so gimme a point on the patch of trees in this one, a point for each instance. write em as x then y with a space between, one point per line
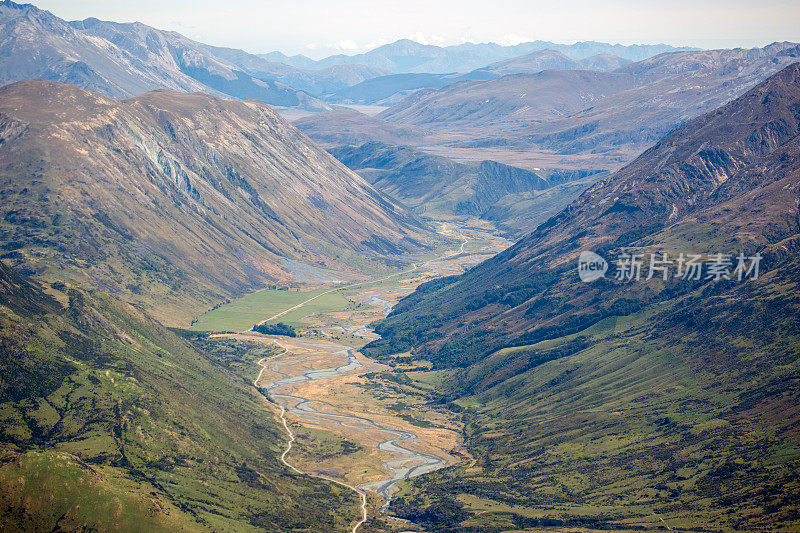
275 329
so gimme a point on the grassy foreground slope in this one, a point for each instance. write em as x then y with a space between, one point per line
108 421
648 403
636 420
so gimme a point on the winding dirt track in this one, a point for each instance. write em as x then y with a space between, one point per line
407 462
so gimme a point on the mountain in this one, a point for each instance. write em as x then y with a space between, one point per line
315 82
604 119
604 62
634 402
550 60
387 90
297 61
438 186
347 126
177 200
516 99
532 63
112 422
122 60
407 56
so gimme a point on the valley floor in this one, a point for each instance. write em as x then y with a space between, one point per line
351 419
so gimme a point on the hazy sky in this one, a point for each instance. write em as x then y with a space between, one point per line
319 28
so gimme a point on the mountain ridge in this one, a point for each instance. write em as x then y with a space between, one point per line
123 59
233 178
586 402
636 197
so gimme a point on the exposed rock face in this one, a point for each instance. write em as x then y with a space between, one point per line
182 193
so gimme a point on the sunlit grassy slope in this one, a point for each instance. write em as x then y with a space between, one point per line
108 421
634 420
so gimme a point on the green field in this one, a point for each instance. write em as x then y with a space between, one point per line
242 313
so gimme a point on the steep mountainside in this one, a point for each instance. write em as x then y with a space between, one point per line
121 60
179 199
607 118
111 422
435 185
729 159
631 400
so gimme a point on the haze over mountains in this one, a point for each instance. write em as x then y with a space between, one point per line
406 56
127 59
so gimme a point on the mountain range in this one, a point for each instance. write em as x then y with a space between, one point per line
632 400
391 89
607 118
88 183
405 55
123 60
127 59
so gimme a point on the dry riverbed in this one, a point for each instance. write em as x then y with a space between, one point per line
353 419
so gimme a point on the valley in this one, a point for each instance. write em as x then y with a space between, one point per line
351 419
405 283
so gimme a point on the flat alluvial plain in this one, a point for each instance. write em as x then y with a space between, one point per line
243 313
354 420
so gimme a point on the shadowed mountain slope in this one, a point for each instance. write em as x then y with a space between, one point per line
632 403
